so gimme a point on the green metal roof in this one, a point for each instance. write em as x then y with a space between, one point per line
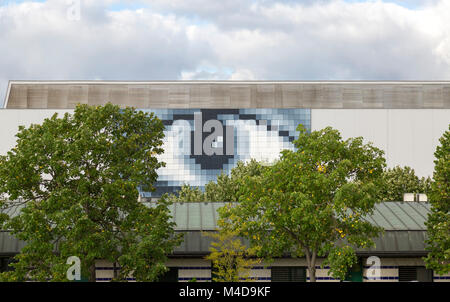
403 222
400 216
391 216
196 216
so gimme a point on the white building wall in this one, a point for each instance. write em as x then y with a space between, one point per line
200 269
188 269
409 137
441 278
389 269
104 270
11 119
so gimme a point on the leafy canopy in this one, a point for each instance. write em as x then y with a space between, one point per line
74 182
438 224
226 188
312 201
231 259
400 180
187 194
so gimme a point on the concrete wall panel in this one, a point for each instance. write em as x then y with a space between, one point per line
10 120
228 94
409 137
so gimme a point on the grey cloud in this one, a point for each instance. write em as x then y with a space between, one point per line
342 42
271 40
249 14
43 45
230 14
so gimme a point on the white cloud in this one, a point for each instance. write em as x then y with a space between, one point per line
242 74
203 39
39 42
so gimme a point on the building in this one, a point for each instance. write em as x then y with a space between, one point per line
211 125
397 255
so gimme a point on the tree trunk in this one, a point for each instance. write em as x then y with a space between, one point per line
311 262
92 273
115 270
312 273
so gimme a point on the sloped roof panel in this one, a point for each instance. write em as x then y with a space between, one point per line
403 223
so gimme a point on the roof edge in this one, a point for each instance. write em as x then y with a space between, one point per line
8 91
120 82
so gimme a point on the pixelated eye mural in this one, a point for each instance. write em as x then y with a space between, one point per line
201 143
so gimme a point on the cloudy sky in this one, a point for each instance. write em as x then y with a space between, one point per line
224 40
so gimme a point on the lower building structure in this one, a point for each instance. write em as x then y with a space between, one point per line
396 257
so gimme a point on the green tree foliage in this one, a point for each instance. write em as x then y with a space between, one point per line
400 180
225 189
76 181
227 186
231 260
438 224
187 194
312 201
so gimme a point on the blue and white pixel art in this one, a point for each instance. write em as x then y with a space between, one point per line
201 143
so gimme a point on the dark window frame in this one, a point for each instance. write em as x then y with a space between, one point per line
413 273
5 261
291 274
172 275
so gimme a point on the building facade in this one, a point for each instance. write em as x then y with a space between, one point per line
211 125
241 120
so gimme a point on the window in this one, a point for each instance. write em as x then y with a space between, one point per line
414 273
170 276
288 274
4 264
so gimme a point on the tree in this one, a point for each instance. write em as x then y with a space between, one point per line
400 180
438 223
76 181
226 188
312 201
187 194
231 260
